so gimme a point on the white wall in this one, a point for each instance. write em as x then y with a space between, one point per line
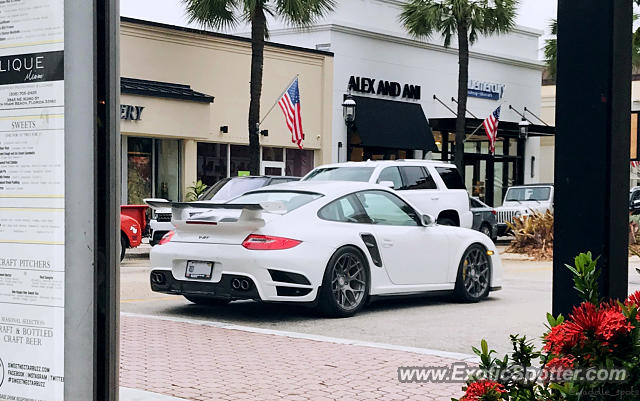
368 40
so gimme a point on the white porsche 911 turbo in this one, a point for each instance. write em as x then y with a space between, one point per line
334 244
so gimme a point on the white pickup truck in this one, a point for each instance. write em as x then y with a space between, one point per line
522 200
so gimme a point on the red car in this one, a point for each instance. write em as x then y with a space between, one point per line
133 221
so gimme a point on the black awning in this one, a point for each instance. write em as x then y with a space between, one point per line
169 90
390 124
506 129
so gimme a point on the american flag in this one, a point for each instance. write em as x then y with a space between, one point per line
635 163
290 105
490 125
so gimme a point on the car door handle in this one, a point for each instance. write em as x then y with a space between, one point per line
436 198
387 243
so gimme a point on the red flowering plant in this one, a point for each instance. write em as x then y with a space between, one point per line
593 354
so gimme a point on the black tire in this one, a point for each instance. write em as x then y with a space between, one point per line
337 297
474 275
206 301
486 230
124 243
445 221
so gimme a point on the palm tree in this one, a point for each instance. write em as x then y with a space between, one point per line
222 14
467 19
551 49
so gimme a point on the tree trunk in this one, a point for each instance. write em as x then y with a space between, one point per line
258 30
463 82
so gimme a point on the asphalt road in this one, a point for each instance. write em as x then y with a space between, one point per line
429 322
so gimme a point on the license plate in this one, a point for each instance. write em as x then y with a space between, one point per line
199 270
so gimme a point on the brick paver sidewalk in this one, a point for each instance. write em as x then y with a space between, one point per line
201 362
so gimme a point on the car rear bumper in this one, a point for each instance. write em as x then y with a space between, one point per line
163 281
291 275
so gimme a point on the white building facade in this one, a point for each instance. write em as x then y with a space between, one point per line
373 52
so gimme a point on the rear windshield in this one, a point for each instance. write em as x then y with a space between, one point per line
451 177
340 174
229 188
290 199
528 194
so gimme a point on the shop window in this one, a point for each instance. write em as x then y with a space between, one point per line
239 160
417 178
167 169
212 162
272 154
299 162
139 170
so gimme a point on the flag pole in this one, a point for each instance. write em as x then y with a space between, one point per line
278 99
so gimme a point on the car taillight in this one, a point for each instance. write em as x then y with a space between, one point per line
166 238
493 212
268 242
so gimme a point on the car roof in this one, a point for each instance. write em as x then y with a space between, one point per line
532 185
327 188
266 176
399 162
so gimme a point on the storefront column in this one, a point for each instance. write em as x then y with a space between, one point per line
505 167
521 161
489 181
189 164
445 146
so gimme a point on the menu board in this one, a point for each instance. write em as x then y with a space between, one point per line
32 205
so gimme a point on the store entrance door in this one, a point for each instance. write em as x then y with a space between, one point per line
488 177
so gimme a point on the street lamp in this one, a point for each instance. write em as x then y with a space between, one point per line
349 110
524 128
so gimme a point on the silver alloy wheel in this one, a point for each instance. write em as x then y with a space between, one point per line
475 272
348 281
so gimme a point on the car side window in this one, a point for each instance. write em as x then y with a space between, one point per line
417 177
385 208
346 209
451 177
391 174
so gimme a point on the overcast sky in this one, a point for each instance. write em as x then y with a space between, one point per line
533 13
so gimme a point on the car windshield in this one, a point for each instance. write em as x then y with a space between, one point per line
340 174
290 199
229 188
528 194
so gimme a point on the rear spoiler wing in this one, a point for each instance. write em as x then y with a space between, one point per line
250 211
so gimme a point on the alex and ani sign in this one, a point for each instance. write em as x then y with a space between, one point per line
485 90
385 88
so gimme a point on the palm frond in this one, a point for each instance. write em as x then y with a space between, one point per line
303 12
423 18
213 14
551 50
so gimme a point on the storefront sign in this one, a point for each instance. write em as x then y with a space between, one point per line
383 88
32 205
128 112
485 90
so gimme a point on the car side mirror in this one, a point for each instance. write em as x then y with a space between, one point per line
388 184
428 220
